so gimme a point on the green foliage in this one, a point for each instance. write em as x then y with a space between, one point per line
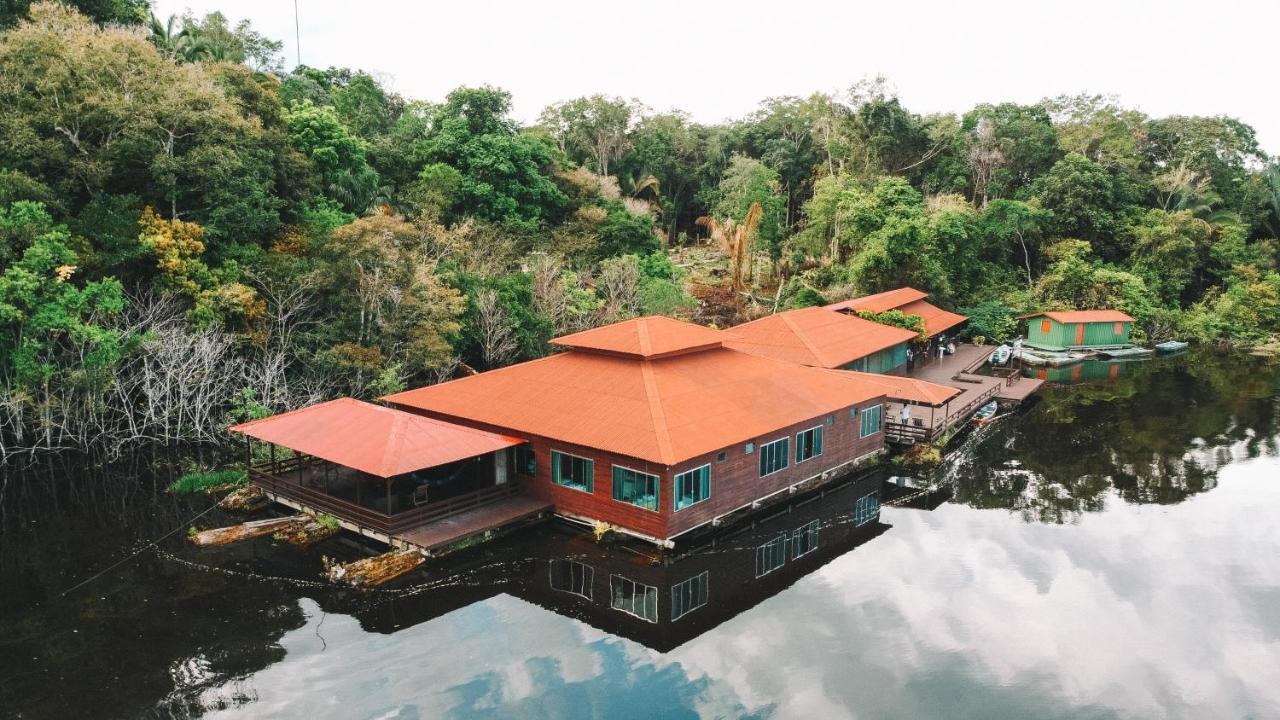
992 320
209 480
338 156
624 232
748 181
896 318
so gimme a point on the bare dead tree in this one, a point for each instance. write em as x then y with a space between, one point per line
498 343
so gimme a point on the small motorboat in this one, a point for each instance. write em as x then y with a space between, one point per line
1001 355
1170 346
986 413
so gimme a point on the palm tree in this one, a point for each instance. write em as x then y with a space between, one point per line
167 36
735 240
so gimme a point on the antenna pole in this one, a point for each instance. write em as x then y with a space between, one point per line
297 33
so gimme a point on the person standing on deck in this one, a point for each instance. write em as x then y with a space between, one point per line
906 414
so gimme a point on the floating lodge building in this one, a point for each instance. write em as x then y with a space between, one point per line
1078 330
653 427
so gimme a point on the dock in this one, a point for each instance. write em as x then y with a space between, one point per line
959 371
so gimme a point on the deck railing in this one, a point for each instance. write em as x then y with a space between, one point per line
293 489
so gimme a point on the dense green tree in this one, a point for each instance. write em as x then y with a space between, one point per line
746 182
1009 145
1089 202
337 155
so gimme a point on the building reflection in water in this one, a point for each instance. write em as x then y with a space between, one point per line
663 602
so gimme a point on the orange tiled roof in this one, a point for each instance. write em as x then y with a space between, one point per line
816 337
936 320
1082 316
910 389
880 302
653 336
374 439
660 409
909 301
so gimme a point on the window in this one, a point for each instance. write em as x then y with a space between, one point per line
689 595
572 576
871 420
692 487
804 539
633 598
866 509
773 456
526 461
1046 325
635 487
1119 328
808 444
572 471
771 555
720 457
750 448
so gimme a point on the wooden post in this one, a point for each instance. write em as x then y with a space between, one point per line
359 481
388 482
275 469
248 452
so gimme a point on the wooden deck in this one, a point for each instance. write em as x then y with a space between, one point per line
428 527
492 516
957 371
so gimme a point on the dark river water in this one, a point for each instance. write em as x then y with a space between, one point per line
1111 551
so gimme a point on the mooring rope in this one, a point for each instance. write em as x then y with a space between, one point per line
137 552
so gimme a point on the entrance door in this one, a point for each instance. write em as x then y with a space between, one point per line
1079 333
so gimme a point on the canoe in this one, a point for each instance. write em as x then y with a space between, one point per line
1169 346
1125 353
985 413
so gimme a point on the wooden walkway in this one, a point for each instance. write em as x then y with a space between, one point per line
458 527
958 371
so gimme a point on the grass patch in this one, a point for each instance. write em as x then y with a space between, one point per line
209 480
328 522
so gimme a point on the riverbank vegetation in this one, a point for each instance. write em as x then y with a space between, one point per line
191 234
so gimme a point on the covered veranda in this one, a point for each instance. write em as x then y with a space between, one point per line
377 468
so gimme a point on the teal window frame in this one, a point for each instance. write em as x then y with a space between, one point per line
571 576
691 487
876 412
633 598
690 595
804 539
866 509
775 456
771 555
526 460
575 461
626 482
808 444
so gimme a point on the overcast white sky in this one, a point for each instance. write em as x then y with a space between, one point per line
717 60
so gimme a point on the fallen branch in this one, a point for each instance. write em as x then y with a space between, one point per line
244 531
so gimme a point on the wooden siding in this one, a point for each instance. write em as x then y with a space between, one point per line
736 481
1063 335
884 361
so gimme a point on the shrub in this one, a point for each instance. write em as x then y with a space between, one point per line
209 480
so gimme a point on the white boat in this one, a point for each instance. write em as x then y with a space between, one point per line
1000 355
986 413
1169 346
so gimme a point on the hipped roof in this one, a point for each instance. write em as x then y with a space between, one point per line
373 439
653 336
659 409
1082 316
880 302
921 392
815 337
908 301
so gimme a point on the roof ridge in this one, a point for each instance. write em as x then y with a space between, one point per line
395 440
660 430
804 340
642 336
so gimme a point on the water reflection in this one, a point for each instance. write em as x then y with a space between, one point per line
1145 585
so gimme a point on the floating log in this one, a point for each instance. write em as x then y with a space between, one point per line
244 531
307 533
245 499
374 571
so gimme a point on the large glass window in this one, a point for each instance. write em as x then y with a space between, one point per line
866 509
871 420
771 555
804 539
773 456
633 598
572 576
808 444
572 471
635 487
689 595
526 461
692 487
